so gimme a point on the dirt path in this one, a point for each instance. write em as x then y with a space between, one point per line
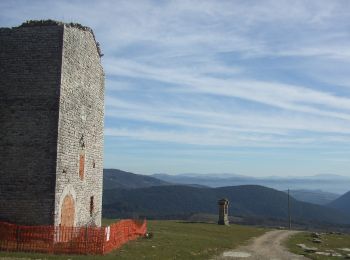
268 246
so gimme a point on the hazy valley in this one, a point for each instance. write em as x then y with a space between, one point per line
153 198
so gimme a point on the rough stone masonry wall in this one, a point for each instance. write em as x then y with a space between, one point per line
81 114
30 66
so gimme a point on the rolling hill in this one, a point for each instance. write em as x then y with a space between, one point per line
329 183
318 197
117 179
342 203
178 201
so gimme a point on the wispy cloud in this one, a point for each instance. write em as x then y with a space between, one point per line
281 95
219 74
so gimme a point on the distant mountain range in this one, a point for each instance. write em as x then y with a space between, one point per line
325 182
182 201
318 197
114 179
128 195
342 203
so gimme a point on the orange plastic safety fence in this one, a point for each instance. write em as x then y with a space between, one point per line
121 232
69 240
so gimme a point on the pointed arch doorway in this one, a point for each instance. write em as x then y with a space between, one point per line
67 211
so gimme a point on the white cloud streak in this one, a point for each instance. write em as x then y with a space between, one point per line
190 49
280 95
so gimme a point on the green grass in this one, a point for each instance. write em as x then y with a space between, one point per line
172 240
330 242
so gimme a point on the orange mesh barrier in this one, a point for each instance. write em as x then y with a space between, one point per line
121 232
69 240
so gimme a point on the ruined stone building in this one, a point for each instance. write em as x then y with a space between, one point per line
51 125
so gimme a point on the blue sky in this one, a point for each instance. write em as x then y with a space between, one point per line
249 87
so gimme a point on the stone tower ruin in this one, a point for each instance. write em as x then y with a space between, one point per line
51 125
223 212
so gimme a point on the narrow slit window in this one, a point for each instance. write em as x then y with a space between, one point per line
92 206
82 158
81 166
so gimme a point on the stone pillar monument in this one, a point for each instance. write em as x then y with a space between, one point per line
223 212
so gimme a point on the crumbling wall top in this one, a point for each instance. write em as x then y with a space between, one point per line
49 22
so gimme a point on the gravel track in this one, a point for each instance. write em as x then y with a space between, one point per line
266 247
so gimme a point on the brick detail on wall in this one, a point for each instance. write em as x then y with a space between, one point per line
81 166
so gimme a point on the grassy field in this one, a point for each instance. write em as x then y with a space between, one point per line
330 243
172 240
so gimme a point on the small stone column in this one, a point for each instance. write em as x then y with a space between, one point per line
223 212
